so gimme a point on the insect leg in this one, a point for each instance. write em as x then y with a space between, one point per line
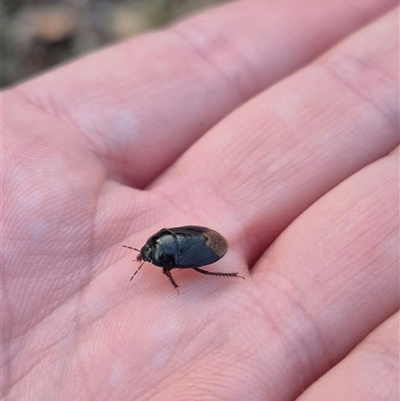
217 274
167 272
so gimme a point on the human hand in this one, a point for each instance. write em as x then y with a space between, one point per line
160 131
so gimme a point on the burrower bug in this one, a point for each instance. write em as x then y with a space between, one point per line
187 247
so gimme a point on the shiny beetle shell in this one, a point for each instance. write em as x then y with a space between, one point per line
187 247
184 247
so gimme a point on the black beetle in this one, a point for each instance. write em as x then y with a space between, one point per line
187 247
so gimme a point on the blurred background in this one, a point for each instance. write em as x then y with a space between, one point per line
38 34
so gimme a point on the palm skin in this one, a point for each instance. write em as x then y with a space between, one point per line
207 124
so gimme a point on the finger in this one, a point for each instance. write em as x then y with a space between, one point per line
143 102
368 373
332 276
275 156
325 283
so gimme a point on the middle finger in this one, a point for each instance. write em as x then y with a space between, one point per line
283 150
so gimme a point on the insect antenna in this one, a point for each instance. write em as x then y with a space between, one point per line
129 247
138 259
134 274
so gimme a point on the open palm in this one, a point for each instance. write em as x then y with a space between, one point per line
232 120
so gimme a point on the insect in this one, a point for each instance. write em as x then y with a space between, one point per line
187 247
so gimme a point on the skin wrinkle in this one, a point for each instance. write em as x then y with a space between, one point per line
214 191
381 351
359 366
37 363
100 317
190 376
290 298
65 118
84 373
207 379
245 235
332 67
36 102
48 105
184 367
81 339
94 214
134 221
178 206
202 51
216 184
35 324
6 390
365 232
221 196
